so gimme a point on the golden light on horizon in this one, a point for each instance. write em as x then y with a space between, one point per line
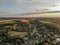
54 15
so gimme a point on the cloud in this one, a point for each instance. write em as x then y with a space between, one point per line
40 1
35 0
6 13
2 0
18 1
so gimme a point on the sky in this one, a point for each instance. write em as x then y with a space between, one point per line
16 7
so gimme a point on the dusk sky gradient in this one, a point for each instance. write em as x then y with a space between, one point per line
14 7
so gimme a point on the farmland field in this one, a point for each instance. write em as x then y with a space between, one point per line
29 31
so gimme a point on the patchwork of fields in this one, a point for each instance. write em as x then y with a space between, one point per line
29 31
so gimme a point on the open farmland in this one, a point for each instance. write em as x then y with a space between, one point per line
26 31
